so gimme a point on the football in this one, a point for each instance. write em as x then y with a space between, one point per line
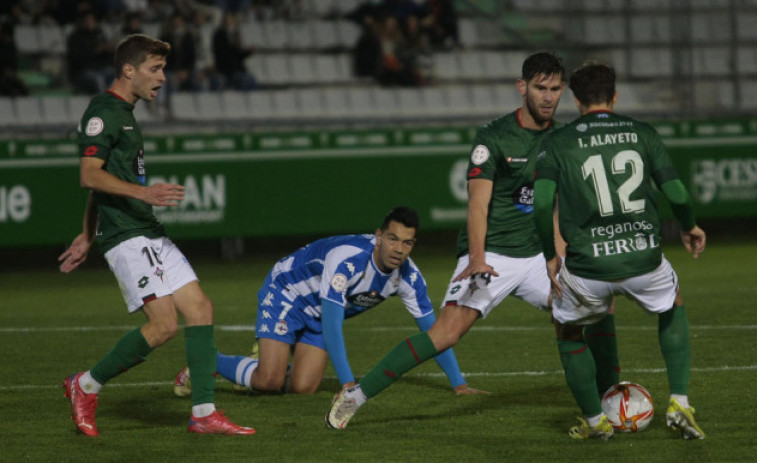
628 406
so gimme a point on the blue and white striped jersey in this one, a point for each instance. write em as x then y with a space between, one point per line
341 269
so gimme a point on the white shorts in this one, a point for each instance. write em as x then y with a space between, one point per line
147 269
525 278
585 301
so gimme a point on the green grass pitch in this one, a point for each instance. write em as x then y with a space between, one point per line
52 325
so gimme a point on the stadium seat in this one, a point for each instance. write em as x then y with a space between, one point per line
471 65
335 102
650 29
183 106
604 30
77 104
360 101
276 36
319 8
7 112
300 35
326 69
747 26
309 103
324 35
27 39
467 32
284 104
710 27
251 34
275 70
347 33
28 110
234 105
506 97
260 105
52 40
385 104
145 113
651 62
712 61
434 103
446 66
747 60
410 103
55 111
458 100
748 95
482 98
209 105
301 66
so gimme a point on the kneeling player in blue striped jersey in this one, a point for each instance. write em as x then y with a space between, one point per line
308 294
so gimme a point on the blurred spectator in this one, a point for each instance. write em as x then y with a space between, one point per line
181 70
367 54
441 24
89 57
132 24
230 55
399 58
10 83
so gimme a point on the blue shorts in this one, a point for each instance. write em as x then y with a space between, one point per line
280 318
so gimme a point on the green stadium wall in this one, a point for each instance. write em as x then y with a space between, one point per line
332 181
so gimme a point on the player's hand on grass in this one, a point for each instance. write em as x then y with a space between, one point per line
76 254
694 241
163 194
464 389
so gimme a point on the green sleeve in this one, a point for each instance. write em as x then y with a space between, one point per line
680 203
544 201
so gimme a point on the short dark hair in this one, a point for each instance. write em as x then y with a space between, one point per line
134 50
593 83
543 63
402 214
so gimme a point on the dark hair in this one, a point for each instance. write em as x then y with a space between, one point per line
593 83
404 215
134 50
543 63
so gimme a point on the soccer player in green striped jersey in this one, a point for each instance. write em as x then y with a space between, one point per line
604 167
154 276
498 250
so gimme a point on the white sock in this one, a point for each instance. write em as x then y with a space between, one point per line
203 410
683 400
594 420
244 371
88 383
356 392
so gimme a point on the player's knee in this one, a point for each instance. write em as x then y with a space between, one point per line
302 387
267 382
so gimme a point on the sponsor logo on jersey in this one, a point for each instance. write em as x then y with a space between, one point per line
413 277
90 150
512 159
339 282
350 267
523 198
637 243
128 127
479 155
475 172
94 127
367 300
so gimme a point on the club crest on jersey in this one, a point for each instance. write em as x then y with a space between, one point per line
281 328
339 282
582 127
368 300
479 155
94 127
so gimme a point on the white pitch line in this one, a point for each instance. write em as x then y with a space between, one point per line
232 328
486 374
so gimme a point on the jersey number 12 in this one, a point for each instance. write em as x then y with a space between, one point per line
594 168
